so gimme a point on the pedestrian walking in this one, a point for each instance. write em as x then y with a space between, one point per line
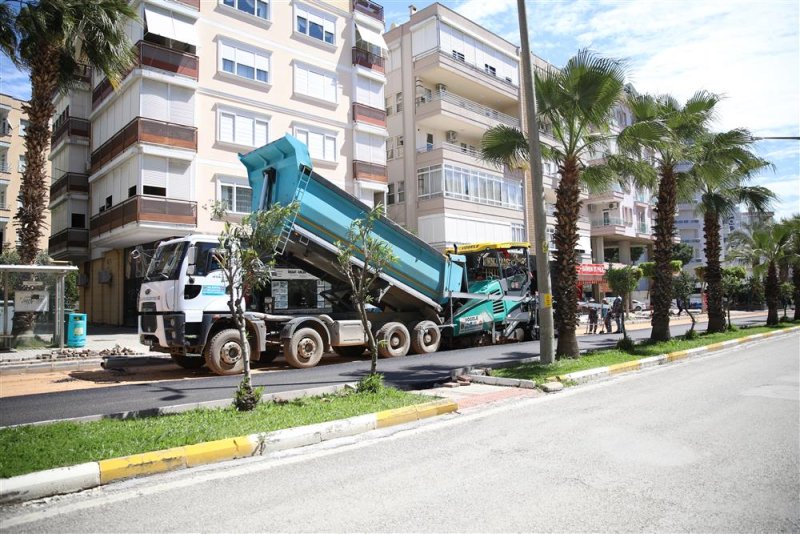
606 319
592 318
617 311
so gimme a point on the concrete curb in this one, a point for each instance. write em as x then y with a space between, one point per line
588 375
93 474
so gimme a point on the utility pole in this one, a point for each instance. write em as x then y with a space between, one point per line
546 349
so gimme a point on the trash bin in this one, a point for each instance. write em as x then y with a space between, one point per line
75 326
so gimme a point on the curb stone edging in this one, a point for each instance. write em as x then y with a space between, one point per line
92 474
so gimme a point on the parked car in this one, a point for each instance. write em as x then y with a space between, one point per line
638 305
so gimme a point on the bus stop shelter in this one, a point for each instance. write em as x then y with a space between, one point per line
60 273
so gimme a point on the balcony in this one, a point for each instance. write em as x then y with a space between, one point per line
157 57
374 172
367 7
642 228
141 130
4 167
435 154
72 126
69 242
369 115
444 105
140 209
368 60
71 182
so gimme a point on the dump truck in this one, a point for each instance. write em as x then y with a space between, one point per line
424 300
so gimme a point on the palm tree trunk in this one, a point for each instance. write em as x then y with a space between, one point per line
713 274
664 231
568 207
772 294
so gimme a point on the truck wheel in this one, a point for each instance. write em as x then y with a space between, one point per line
188 362
351 351
393 340
305 349
425 338
224 355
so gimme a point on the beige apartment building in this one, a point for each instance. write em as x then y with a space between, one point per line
144 162
13 122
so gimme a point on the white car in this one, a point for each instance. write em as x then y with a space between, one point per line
638 305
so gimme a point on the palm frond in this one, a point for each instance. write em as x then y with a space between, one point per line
505 145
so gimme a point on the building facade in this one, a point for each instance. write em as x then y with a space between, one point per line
13 122
144 161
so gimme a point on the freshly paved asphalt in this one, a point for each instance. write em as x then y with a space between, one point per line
412 372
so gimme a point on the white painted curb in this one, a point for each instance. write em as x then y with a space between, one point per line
50 482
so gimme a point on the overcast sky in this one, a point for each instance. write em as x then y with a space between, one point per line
746 50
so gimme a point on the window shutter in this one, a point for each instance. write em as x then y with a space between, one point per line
226 121
179 180
244 130
181 106
330 148
301 79
261 133
243 57
316 145
262 63
330 88
155 99
154 171
227 52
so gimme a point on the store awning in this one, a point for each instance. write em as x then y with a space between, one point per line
371 36
165 24
594 273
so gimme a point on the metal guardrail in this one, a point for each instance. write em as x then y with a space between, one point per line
143 208
469 105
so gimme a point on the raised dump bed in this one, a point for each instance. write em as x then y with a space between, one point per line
281 172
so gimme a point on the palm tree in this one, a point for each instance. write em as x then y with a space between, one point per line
53 40
577 102
719 175
664 130
763 248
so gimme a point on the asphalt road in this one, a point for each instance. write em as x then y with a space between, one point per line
411 372
710 445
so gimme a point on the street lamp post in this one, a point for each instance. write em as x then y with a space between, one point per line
546 349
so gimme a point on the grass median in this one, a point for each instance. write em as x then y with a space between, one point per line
30 448
602 358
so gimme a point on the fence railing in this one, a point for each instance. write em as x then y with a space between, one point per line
369 171
368 8
71 182
469 105
142 208
364 113
71 126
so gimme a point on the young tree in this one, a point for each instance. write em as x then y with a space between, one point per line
732 285
786 289
683 252
246 257
622 282
666 130
577 102
724 164
362 259
683 285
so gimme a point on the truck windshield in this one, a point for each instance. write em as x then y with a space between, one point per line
164 265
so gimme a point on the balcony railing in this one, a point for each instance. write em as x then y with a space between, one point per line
4 167
71 126
368 114
141 208
642 228
469 105
611 221
363 170
68 238
158 57
368 60
474 68
142 130
369 8
468 150
71 182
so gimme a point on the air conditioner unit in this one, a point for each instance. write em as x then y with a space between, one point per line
440 87
613 205
452 136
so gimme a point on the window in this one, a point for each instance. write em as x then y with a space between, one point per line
399 101
488 69
429 181
315 83
321 145
78 220
315 24
236 198
23 164
241 129
132 191
249 64
517 232
472 185
3 199
23 127
458 56
389 106
257 8
154 191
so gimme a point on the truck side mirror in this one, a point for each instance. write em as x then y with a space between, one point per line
192 257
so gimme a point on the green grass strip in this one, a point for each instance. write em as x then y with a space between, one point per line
602 358
26 449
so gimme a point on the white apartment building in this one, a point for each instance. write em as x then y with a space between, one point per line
13 122
141 163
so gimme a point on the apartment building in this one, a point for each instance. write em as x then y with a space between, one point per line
143 162
13 122
448 81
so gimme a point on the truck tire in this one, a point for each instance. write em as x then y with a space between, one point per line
305 349
351 351
393 340
425 338
188 362
224 355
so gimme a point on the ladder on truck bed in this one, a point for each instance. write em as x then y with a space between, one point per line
286 231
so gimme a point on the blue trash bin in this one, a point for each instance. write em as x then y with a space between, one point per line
75 326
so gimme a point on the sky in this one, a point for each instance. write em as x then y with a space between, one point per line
748 51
